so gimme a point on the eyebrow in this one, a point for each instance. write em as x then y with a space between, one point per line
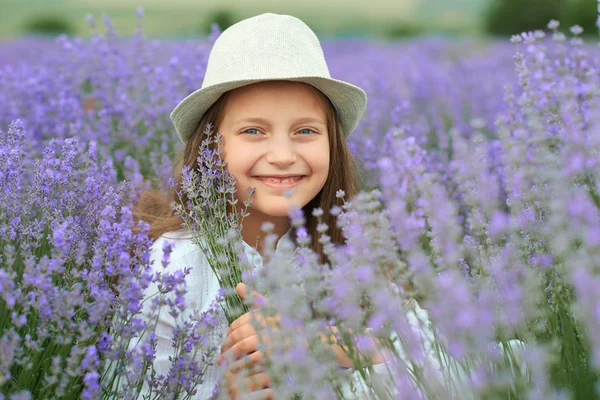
263 121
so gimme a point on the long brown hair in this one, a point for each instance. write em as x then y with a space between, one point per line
154 207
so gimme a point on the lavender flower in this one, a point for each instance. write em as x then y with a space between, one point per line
213 217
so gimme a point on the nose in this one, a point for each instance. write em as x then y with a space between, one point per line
282 151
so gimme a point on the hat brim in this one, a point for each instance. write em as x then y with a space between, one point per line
349 101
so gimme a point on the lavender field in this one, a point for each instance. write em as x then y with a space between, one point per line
474 243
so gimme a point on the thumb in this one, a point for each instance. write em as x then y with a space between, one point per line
258 299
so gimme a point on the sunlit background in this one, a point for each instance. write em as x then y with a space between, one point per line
176 19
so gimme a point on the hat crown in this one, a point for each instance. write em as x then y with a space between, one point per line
268 46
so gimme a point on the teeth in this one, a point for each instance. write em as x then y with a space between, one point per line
285 180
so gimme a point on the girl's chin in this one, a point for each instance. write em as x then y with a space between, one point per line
273 212
281 209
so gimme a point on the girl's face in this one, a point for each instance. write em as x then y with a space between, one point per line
276 140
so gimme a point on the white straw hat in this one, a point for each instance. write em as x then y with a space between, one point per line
267 47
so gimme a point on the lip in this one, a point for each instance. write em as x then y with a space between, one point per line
264 179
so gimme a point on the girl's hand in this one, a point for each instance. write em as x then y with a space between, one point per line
340 354
371 351
242 344
241 336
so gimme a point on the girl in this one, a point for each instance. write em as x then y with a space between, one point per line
284 122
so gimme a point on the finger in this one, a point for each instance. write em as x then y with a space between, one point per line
243 384
237 335
242 326
231 385
257 381
248 361
242 320
242 290
246 346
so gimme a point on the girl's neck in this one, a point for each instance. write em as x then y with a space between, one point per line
253 234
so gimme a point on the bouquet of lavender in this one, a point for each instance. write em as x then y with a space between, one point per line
213 217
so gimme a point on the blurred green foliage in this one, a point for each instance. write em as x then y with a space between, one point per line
402 30
508 17
222 17
583 13
48 24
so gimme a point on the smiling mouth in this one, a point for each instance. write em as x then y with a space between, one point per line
280 182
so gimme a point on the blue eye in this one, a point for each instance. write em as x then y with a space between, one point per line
307 131
251 129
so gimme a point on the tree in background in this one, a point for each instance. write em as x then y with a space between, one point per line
222 17
583 13
508 17
48 24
